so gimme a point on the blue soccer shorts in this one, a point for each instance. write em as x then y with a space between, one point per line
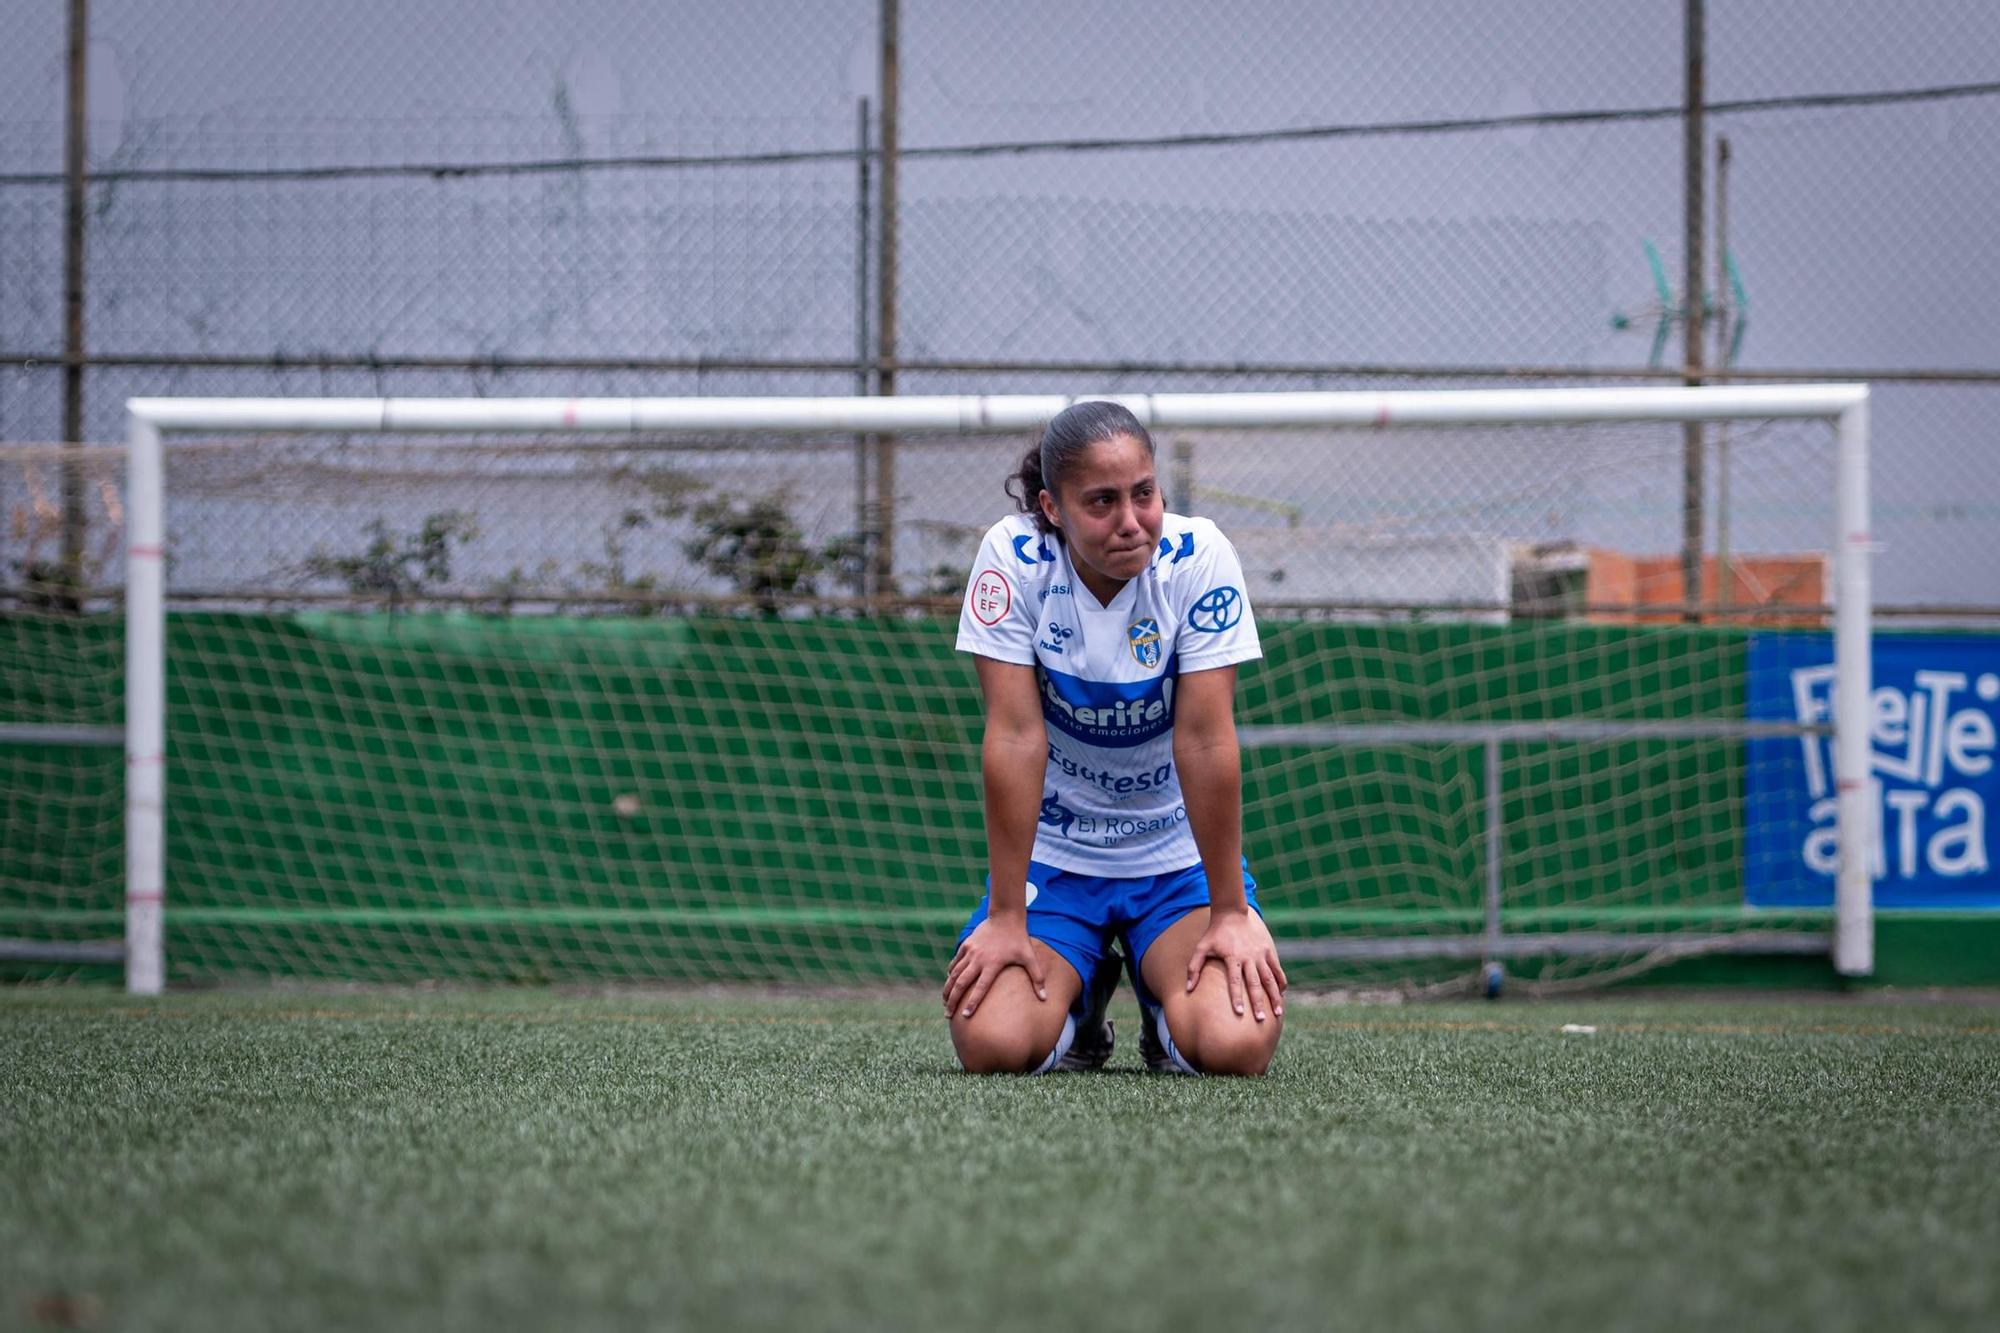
1079 915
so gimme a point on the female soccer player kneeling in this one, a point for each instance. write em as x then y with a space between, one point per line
1106 633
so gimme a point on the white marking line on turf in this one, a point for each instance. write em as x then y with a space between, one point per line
827 1020
1643 1027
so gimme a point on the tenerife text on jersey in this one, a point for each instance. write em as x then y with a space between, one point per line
1114 715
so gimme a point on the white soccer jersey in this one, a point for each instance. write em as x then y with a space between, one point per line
1111 804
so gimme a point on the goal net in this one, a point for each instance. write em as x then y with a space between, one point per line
665 689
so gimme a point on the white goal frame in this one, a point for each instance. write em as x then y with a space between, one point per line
149 420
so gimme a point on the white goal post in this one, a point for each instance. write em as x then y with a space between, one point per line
1843 406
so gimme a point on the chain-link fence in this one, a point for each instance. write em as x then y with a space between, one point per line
605 199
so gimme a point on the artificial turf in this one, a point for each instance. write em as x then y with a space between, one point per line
516 1159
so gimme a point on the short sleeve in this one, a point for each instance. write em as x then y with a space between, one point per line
1217 628
996 619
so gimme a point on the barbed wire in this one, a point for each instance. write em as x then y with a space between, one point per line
1217 139
369 361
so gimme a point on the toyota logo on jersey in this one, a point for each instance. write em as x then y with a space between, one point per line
1216 610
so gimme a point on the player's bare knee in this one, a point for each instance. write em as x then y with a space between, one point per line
994 1050
999 1047
1224 1043
1001 1039
1235 1050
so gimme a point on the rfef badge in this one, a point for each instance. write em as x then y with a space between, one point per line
992 597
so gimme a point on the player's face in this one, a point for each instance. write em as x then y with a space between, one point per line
1109 510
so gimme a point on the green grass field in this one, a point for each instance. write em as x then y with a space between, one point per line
517 1159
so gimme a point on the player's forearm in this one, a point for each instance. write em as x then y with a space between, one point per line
1211 770
1014 767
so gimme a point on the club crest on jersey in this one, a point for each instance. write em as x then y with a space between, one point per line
1145 639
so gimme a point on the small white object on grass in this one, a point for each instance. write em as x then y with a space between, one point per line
1584 1029
626 804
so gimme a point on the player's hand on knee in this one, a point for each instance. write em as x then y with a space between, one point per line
1242 944
991 948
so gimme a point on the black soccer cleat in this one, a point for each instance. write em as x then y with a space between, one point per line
1089 1049
1094 1039
1151 1049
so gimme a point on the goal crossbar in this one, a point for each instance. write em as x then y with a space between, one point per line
986 413
1844 406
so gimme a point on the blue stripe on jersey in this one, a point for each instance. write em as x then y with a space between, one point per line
1118 715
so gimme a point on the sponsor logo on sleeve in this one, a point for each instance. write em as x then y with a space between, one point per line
992 597
1144 636
1216 610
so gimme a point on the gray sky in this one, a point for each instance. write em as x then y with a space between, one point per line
1864 233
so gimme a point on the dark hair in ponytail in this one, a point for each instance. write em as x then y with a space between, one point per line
1070 432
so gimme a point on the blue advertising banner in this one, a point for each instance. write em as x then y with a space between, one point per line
1933 719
